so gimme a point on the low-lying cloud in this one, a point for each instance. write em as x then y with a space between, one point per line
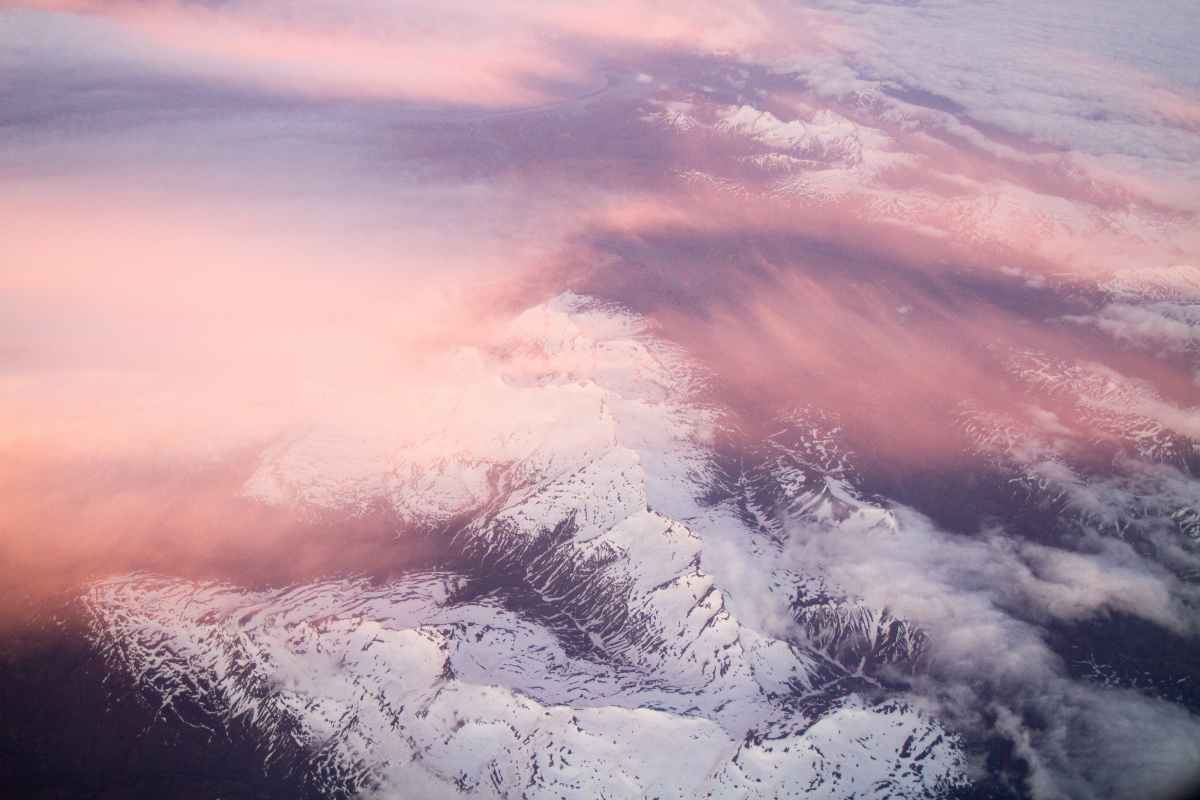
985 601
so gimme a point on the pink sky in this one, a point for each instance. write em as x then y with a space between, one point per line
255 219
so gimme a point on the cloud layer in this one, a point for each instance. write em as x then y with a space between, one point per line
967 232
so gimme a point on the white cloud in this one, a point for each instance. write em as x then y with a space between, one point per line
1170 326
983 600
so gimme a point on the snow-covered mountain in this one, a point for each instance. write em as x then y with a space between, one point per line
1117 457
645 599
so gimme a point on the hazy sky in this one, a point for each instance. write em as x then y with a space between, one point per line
225 222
